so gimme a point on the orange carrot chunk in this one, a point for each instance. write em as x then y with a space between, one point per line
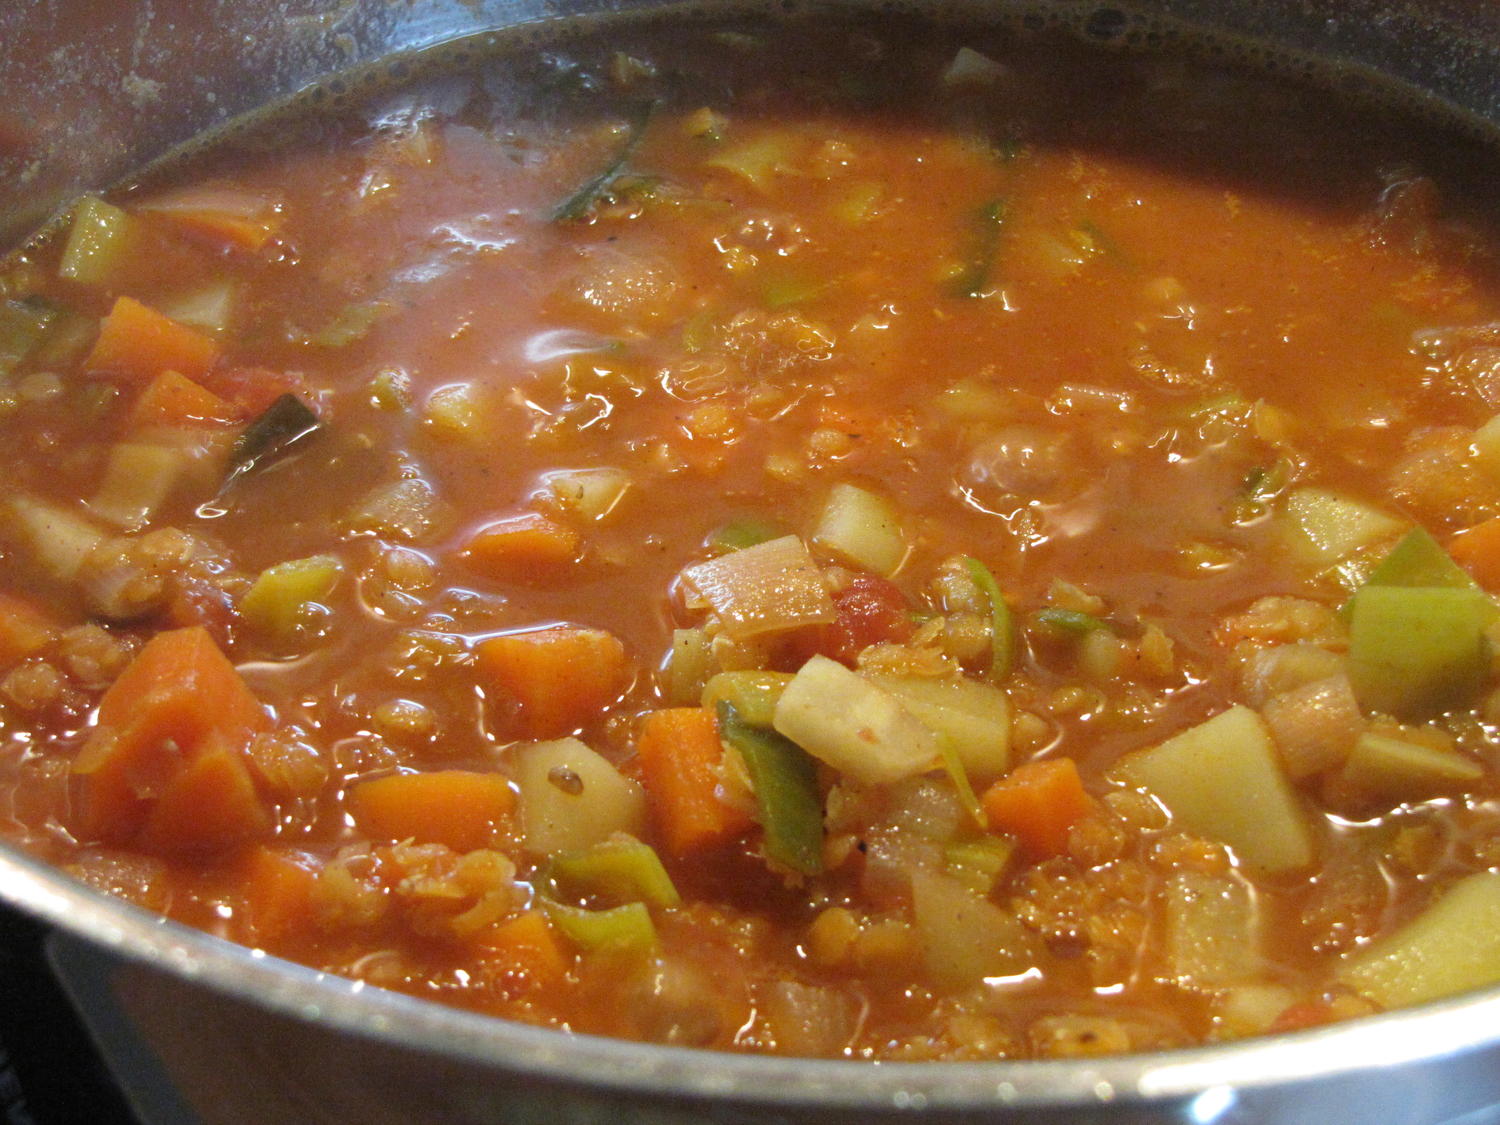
140 343
1038 803
223 217
1477 550
179 696
459 808
24 629
559 678
525 548
679 753
205 806
278 894
172 399
525 953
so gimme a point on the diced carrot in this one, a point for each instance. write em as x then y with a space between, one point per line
525 950
1477 550
526 548
560 677
223 217
179 696
459 808
140 343
23 629
172 399
679 753
278 893
206 805
1038 803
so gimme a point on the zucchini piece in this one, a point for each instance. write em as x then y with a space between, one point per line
1416 651
855 726
1419 560
621 869
862 528
785 781
625 929
1452 946
1222 780
753 694
282 596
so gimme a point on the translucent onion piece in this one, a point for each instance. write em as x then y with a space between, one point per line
767 588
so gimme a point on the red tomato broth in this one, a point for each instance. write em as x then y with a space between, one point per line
1176 289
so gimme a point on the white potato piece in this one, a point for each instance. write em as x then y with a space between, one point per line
572 798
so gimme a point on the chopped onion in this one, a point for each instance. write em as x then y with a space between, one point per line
767 588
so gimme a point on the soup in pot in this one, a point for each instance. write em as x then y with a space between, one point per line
848 539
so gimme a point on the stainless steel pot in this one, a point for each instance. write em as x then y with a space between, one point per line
204 1030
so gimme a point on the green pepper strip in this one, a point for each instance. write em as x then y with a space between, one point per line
739 534
785 778
1002 629
621 869
625 929
989 222
577 205
1069 621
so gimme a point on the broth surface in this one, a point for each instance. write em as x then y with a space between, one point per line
454 420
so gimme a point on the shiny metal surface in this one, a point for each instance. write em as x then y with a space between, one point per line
92 90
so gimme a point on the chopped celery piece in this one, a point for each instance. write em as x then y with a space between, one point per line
687 666
1416 651
572 798
1068 622
625 929
855 726
138 478
785 780
1452 946
23 326
591 493
1222 780
752 694
966 938
861 528
768 588
582 201
978 864
1213 933
973 277
1419 560
974 717
98 242
1328 527
1406 771
283 596
739 534
1002 626
620 869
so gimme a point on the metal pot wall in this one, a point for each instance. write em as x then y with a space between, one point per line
204 1030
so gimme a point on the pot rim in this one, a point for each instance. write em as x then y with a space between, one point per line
1447 1027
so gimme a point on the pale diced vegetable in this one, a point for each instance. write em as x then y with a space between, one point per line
767 588
858 728
620 869
1252 1009
591 493
1415 651
624 929
1487 447
405 510
208 307
1400 770
974 716
283 596
759 158
1451 947
99 240
56 539
572 798
687 667
1213 938
138 479
1222 780
978 864
970 68
1314 725
753 694
1327 527
862 528
1419 560
459 412
966 938
23 326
